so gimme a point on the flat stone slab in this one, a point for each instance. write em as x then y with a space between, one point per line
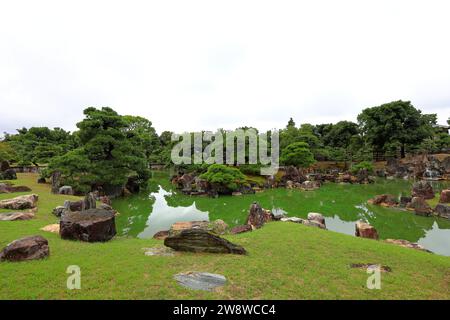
200 280
54 228
371 266
15 216
159 251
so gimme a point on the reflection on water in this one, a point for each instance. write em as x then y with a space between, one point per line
163 216
342 205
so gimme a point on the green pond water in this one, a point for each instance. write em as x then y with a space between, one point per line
158 207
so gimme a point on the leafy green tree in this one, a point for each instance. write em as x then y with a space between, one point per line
141 133
297 154
224 179
395 125
7 153
40 144
106 157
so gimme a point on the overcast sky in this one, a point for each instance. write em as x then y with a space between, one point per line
190 65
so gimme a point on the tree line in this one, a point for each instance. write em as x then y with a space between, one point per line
107 147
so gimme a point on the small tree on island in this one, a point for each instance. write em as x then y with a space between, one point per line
297 154
224 179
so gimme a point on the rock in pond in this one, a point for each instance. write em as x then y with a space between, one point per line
384 200
20 203
420 206
93 225
445 196
442 210
423 189
365 230
198 240
29 248
200 280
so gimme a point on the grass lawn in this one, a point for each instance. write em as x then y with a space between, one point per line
284 261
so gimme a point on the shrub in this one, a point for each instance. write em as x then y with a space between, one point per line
224 179
362 165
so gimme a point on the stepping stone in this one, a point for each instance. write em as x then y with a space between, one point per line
159 251
200 280
54 228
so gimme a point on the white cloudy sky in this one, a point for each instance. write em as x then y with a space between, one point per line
190 65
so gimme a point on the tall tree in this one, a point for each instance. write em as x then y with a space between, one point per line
106 156
396 124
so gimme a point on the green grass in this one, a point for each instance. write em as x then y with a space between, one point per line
285 261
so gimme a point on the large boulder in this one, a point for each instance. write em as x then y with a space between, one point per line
420 206
445 196
20 203
442 210
422 189
93 225
29 248
198 240
365 230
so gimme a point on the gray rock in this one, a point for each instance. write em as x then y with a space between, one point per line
442 210
200 280
59 211
67 190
